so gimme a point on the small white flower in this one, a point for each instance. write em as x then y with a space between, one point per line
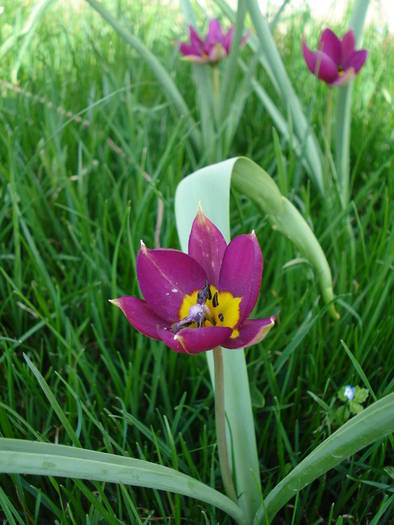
349 392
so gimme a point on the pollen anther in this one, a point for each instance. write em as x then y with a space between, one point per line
215 300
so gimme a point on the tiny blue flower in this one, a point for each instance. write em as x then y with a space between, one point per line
349 392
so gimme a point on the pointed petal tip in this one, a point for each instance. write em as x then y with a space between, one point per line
116 302
200 215
179 339
143 246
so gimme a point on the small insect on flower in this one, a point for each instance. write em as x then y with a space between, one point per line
336 61
197 301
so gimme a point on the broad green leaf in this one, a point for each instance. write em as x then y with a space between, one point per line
19 456
170 90
210 186
373 423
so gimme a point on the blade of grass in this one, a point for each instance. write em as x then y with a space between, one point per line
302 127
162 76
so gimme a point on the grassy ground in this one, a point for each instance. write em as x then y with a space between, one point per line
75 200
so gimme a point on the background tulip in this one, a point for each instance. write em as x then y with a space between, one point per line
336 61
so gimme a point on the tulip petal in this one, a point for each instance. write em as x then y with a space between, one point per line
194 340
195 40
251 332
356 60
215 33
328 70
330 45
207 246
139 315
241 272
348 44
228 39
188 50
165 277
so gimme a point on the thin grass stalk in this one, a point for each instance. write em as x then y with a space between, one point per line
231 64
302 127
252 42
171 91
203 84
344 108
23 37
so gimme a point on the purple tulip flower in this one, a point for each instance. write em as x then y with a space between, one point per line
199 301
336 62
214 48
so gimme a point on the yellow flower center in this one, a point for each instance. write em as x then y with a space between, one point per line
223 309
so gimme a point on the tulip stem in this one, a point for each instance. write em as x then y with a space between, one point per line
220 419
216 95
328 139
216 85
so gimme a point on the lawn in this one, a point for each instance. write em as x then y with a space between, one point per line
91 155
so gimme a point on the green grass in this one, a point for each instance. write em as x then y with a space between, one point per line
76 200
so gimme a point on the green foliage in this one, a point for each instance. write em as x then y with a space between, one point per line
352 406
91 155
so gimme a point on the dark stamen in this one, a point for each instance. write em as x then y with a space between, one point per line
209 294
221 317
204 294
215 301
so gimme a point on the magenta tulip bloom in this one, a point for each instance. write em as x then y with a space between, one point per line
214 48
336 62
199 301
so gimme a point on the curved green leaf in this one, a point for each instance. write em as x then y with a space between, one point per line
247 177
255 183
19 456
375 422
